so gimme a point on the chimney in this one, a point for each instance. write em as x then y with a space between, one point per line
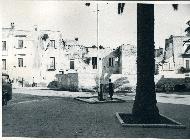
12 25
35 28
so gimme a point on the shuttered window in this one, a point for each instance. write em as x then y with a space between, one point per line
111 62
187 64
52 62
72 64
20 62
4 47
4 64
20 44
94 62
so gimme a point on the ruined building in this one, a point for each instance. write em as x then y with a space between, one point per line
177 53
40 56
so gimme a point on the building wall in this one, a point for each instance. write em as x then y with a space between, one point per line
178 51
129 57
35 58
14 53
174 50
38 55
68 81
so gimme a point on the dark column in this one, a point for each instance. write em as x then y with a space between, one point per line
144 108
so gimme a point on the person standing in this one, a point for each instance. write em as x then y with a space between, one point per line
111 89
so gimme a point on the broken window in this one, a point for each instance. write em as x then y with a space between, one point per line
4 47
52 62
4 64
94 62
20 44
111 62
20 62
72 66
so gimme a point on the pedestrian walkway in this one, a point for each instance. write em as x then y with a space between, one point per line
172 98
55 117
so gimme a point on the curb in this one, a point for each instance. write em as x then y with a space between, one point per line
82 99
177 125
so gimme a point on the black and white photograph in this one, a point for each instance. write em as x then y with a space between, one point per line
95 69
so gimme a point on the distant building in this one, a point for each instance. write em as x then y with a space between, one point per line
129 59
158 59
176 53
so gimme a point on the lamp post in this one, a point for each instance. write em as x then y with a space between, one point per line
100 94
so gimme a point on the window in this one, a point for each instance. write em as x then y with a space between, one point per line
20 44
4 47
52 43
94 62
187 64
20 62
4 64
61 72
52 63
72 64
111 62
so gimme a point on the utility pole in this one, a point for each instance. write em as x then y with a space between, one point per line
100 92
100 95
98 57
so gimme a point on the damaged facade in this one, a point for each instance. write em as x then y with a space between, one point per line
40 56
176 54
158 59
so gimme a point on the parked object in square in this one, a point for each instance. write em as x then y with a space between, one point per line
6 89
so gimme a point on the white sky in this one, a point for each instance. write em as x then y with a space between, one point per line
75 19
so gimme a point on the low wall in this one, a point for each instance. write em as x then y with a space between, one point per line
68 81
87 81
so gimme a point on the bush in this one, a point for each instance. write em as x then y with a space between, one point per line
26 84
182 70
120 85
169 84
125 88
121 81
53 84
87 60
180 87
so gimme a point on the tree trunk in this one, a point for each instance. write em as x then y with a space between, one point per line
144 108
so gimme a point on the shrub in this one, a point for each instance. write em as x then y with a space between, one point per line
53 84
180 87
120 85
121 81
125 88
26 84
45 37
168 84
182 70
87 60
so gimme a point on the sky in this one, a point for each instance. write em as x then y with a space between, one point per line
75 19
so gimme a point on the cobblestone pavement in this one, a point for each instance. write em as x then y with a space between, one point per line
52 116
